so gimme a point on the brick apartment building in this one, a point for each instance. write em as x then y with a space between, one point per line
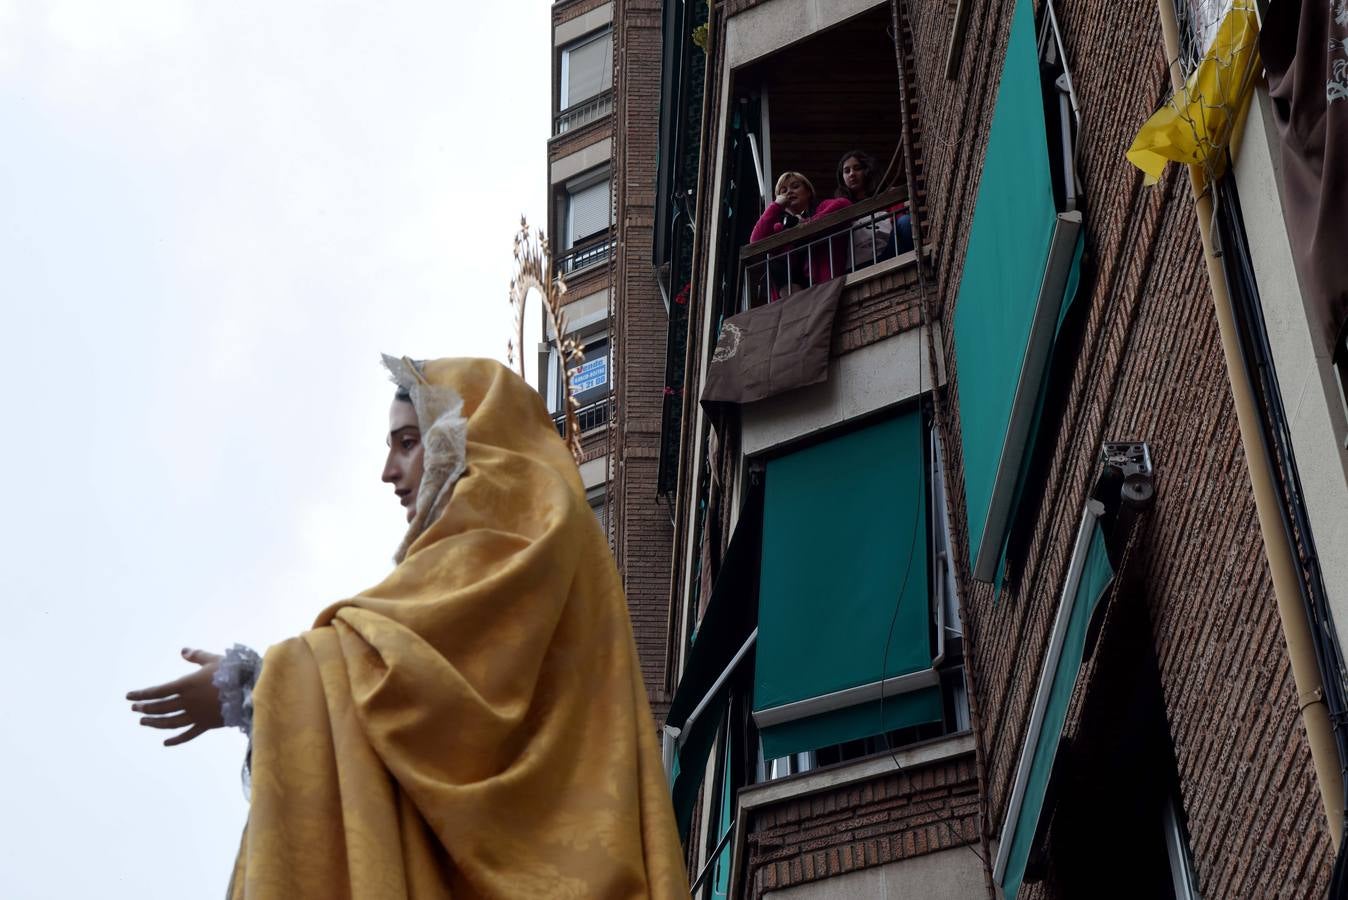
601 197
1023 598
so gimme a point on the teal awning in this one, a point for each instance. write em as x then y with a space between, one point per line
1032 439
726 625
1020 256
1057 684
843 598
726 820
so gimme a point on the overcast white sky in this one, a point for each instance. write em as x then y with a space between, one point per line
213 217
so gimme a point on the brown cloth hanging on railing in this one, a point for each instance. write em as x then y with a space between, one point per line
1305 49
774 348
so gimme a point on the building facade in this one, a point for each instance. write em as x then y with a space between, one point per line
601 176
1008 585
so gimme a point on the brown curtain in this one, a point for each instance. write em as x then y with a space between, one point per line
1305 49
774 348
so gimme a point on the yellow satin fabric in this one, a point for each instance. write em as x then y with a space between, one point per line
476 726
1199 121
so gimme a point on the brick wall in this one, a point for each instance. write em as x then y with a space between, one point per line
877 308
639 526
578 138
567 10
871 823
1149 367
587 281
643 533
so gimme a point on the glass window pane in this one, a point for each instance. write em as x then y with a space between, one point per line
588 212
587 70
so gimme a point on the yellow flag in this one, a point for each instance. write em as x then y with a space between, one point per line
1197 122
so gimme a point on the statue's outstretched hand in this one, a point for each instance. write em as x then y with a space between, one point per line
191 702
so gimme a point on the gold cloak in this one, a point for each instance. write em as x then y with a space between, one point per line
476 726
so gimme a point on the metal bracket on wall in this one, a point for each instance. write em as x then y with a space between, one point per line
1131 462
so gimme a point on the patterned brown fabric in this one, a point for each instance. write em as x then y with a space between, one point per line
774 348
1305 48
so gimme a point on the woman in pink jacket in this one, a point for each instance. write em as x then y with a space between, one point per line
795 205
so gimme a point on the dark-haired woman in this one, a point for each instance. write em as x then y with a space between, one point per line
888 232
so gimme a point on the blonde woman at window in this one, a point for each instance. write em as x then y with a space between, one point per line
474 726
795 205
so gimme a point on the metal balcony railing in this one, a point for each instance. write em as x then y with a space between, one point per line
590 416
583 113
841 242
588 253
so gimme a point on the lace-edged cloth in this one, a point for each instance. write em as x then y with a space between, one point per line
234 680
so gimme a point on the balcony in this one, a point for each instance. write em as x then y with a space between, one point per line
583 113
587 254
848 241
591 416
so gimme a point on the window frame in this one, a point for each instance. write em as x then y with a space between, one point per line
570 189
1184 878
597 336
597 498
584 334
564 100
1062 111
1340 366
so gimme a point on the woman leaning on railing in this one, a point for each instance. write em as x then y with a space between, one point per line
795 205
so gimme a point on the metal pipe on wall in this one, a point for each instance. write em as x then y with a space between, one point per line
1281 556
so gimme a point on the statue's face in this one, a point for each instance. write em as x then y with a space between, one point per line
403 467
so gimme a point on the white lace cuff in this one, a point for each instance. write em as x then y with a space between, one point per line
234 680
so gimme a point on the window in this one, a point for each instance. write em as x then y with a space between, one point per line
1183 878
597 499
587 69
590 380
1089 575
589 209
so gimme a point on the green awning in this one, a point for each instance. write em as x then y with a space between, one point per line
720 885
1011 293
1096 574
843 599
726 625
1032 441
852 722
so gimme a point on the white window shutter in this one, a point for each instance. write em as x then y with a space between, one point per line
589 212
589 70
